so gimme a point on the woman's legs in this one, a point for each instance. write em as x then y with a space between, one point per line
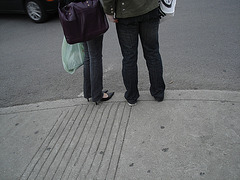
93 70
86 73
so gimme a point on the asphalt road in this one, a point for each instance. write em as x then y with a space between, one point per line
200 48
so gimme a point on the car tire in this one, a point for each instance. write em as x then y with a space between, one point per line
35 11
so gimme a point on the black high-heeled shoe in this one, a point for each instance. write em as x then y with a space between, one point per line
105 91
110 95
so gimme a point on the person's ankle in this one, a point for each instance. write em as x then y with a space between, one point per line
105 95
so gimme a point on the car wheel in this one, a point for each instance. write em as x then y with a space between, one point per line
35 11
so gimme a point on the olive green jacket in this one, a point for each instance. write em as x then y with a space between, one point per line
128 8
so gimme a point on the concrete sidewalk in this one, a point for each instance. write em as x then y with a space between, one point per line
190 135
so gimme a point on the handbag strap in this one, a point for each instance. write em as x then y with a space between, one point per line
63 3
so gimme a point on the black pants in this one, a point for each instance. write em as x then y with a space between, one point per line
146 27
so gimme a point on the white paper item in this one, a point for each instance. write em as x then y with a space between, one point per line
168 7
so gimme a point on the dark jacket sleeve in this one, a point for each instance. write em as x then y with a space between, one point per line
109 6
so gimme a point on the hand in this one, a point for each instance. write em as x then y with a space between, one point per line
111 19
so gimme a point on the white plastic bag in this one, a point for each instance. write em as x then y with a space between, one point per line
72 56
166 9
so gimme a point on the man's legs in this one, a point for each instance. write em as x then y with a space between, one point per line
149 38
128 30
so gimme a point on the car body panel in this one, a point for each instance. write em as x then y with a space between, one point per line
11 6
18 6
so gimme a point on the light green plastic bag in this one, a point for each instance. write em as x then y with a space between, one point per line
72 56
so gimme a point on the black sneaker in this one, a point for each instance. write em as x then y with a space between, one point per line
159 99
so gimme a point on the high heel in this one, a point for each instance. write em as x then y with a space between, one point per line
105 91
110 95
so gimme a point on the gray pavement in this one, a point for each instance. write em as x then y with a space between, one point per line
192 134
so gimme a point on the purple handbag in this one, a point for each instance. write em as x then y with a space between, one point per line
82 21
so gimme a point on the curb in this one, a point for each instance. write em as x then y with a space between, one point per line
187 95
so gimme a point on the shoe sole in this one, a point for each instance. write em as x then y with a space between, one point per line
131 105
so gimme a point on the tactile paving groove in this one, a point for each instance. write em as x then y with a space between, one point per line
85 143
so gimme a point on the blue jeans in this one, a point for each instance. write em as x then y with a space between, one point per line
146 26
93 69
